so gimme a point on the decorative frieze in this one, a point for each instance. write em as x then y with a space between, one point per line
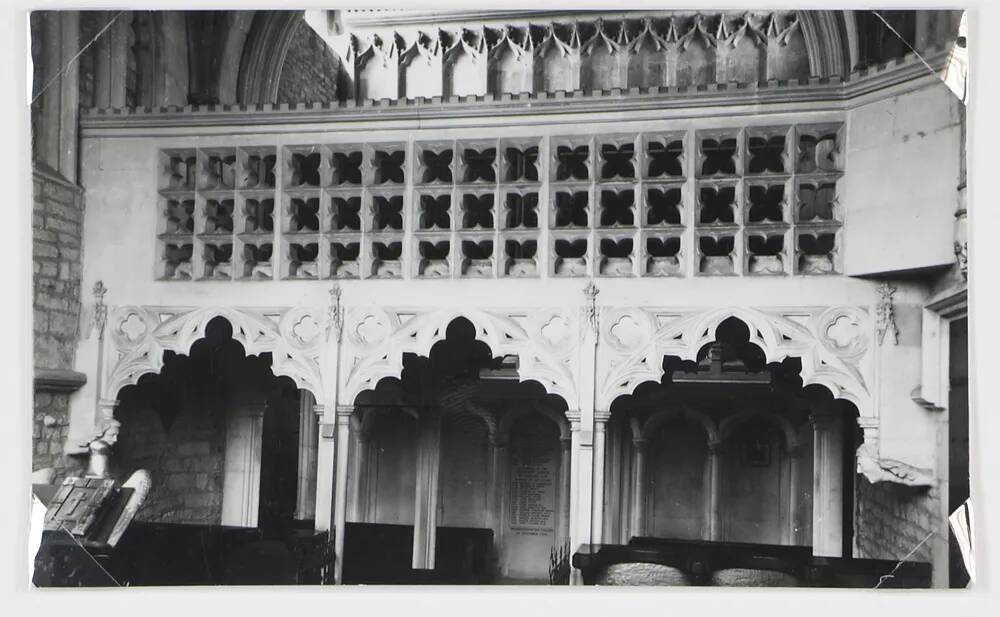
691 50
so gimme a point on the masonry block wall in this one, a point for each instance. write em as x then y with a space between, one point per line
184 454
310 71
891 520
57 220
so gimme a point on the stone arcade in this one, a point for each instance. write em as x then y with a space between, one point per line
473 293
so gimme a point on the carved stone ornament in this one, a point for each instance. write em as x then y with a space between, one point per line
335 314
140 335
590 311
100 309
885 317
632 356
877 469
377 339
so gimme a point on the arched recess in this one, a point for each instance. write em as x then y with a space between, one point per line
834 345
140 335
508 420
657 419
376 339
264 55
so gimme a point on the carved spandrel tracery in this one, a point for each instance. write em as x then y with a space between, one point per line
645 51
140 335
375 340
833 344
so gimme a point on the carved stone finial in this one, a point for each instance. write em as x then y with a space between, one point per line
885 317
335 314
590 308
100 309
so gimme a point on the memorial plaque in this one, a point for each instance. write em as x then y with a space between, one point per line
532 497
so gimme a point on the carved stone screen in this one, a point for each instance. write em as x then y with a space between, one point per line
739 201
532 498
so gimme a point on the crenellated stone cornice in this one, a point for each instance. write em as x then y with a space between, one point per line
890 79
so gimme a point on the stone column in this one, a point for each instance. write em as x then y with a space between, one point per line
56 142
305 504
581 444
241 474
794 479
343 437
637 525
46 141
357 469
597 505
425 507
715 453
828 489
494 513
69 95
325 466
111 61
565 463
612 484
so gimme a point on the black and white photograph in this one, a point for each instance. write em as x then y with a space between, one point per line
499 297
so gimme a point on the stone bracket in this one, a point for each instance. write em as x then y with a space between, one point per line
58 380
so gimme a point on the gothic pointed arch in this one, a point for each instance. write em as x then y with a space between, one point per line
828 36
264 55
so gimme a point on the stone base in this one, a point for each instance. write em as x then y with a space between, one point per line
745 577
643 574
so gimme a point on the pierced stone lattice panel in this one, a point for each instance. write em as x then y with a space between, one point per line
216 213
751 201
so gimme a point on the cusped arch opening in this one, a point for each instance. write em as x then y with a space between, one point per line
184 423
455 366
723 427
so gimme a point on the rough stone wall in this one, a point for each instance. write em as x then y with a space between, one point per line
186 462
57 222
49 429
310 71
891 520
